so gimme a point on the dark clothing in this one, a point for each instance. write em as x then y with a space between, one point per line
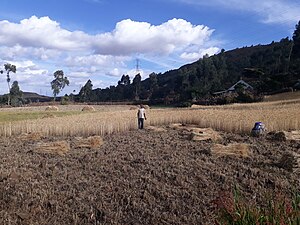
141 123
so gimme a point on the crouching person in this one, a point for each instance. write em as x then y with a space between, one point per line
259 129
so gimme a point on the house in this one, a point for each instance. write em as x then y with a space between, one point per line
240 83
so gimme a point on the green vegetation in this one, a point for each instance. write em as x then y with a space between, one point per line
59 82
232 209
9 68
23 115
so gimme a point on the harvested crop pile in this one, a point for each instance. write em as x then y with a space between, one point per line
204 134
234 149
51 108
88 108
137 177
56 147
89 142
30 136
197 133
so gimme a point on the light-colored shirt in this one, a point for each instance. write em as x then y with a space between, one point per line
141 113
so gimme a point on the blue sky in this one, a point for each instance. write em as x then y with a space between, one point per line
102 39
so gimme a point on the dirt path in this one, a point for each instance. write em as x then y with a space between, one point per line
138 177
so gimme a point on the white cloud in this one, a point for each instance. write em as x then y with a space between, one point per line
193 56
114 72
29 75
95 60
18 51
39 45
127 38
140 37
78 75
41 33
268 11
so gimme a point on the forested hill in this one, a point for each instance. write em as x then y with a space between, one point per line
267 68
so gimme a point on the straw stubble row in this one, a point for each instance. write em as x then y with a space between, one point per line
230 119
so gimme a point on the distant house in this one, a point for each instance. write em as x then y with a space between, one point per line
297 85
240 83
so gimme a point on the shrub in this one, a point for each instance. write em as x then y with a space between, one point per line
64 100
233 209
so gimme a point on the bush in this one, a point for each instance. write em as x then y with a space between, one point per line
64 100
184 104
232 209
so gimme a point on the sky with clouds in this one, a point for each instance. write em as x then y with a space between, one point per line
103 39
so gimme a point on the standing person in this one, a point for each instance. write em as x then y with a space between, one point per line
141 114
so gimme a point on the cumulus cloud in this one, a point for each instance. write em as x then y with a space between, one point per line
38 45
127 38
140 37
18 51
41 33
192 56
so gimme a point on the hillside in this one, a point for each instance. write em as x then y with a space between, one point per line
268 69
34 97
283 96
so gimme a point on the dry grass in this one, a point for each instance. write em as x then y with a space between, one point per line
156 129
293 135
205 134
92 142
31 137
237 118
283 96
198 134
48 115
57 147
52 108
88 108
133 108
234 149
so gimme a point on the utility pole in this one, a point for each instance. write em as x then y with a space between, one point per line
137 66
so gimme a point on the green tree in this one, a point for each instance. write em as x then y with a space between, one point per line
85 93
295 51
123 90
136 82
125 80
153 84
296 39
59 82
9 68
16 94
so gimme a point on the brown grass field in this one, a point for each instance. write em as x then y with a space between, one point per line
237 118
95 167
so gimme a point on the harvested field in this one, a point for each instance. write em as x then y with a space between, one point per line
71 121
79 107
138 177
